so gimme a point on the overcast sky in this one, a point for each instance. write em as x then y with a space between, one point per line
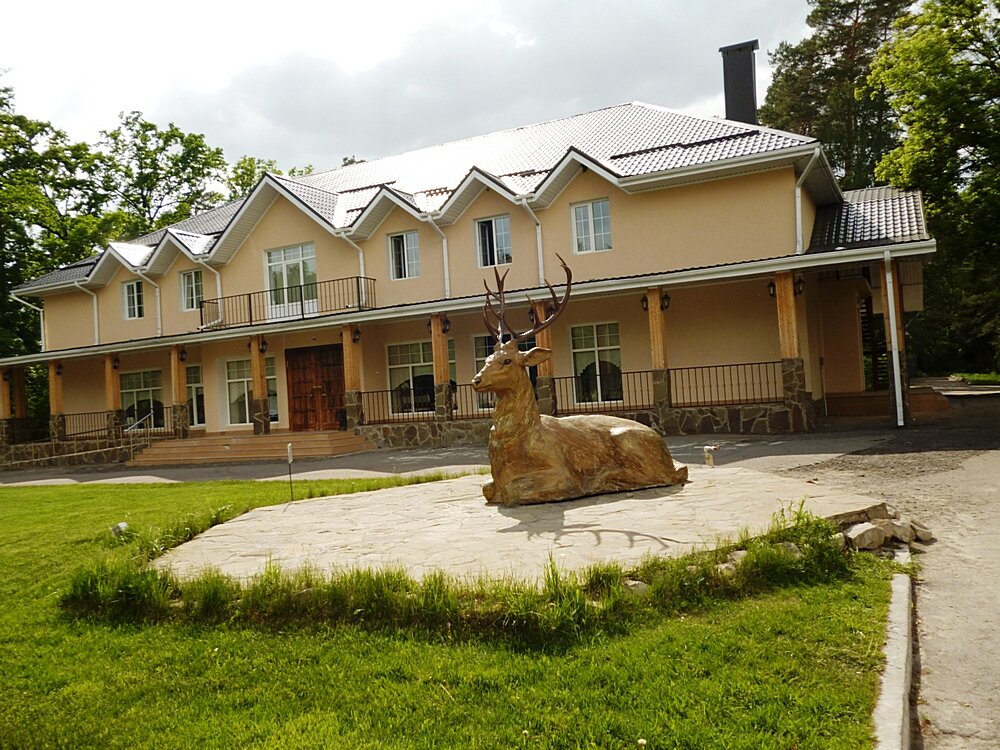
308 83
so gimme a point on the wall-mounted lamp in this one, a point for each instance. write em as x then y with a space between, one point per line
182 355
445 325
356 335
59 368
116 363
7 376
262 347
772 290
800 285
664 302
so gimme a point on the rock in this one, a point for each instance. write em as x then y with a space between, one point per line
865 536
736 556
903 531
839 540
119 528
922 533
726 569
791 548
636 588
893 513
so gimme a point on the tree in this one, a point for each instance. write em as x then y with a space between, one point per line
249 170
821 86
942 75
158 177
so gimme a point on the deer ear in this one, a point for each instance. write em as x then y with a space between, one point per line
536 356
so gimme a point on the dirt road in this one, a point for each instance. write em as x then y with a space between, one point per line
946 474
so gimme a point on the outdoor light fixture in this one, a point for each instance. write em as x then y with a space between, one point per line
771 289
59 368
116 363
262 348
645 303
800 285
445 325
6 376
664 302
182 355
356 335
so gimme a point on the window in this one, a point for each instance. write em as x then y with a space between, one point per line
411 376
597 362
494 241
196 396
404 255
291 281
142 396
239 385
191 290
482 347
132 299
592 226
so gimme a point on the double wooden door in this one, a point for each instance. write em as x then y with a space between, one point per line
315 387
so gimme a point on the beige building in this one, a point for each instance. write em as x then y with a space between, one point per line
722 281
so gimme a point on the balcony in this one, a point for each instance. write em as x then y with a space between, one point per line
289 303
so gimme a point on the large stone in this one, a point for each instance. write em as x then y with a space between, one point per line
922 533
865 536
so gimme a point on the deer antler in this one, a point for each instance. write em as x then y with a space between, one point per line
497 330
557 305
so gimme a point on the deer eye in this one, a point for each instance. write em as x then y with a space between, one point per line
506 361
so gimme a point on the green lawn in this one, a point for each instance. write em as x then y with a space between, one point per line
793 668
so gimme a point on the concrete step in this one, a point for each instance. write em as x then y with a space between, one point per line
243 447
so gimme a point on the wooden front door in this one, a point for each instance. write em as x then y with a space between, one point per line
315 387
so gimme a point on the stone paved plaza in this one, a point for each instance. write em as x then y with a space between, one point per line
447 526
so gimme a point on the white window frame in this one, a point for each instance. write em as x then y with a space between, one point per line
133 307
426 361
280 302
482 256
409 244
594 241
246 385
150 389
195 388
192 291
597 349
483 345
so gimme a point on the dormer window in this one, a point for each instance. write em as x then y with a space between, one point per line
132 306
494 241
404 255
592 226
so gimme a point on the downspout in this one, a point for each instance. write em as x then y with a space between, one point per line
97 325
444 254
799 249
41 315
538 241
218 293
159 320
897 378
361 264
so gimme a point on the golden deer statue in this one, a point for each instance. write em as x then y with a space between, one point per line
536 458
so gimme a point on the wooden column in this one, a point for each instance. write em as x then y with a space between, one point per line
55 389
112 385
259 409
657 329
543 340
439 347
5 400
178 376
20 394
788 322
352 358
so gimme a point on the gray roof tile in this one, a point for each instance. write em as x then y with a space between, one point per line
66 275
210 222
868 218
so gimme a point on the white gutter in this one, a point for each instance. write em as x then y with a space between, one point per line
444 254
897 378
41 315
799 245
361 262
97 325
159 317
538 241
218 292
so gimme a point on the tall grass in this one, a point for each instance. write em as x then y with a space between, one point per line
563 607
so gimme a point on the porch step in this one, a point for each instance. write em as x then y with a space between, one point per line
212 449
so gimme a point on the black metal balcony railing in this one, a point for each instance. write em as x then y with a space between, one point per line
601 394
723 385
467 404
302 301
398 405
86 424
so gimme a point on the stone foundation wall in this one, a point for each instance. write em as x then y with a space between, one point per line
62 453
427 434
757 419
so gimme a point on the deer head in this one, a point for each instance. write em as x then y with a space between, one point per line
506 369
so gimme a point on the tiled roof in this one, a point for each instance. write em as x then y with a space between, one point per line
210 222
77 271
868 218
196 244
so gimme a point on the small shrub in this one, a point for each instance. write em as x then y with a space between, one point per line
212 597
117 590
